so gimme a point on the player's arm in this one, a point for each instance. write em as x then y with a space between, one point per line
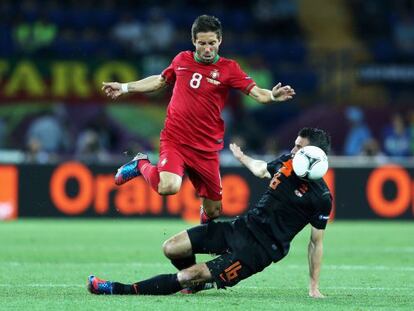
257 167
149 84
315 251
278 94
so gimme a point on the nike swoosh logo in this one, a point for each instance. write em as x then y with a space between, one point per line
182 68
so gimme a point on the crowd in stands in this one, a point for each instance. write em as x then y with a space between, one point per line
396 138
114 29
111 28
266 34
53 135
387 27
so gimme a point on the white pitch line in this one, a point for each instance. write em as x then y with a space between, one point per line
42 285
344 288
162 265
355 267
331 288
378 250
136 264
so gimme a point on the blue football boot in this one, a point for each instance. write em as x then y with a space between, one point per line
129 170
99 287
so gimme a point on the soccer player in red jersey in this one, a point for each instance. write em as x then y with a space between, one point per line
194 130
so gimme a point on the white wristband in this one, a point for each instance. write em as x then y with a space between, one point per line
272 97
124 87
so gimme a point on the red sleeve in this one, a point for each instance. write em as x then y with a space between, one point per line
169 72
240 80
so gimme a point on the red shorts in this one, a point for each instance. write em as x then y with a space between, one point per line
203 167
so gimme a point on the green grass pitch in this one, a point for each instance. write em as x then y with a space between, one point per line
44 265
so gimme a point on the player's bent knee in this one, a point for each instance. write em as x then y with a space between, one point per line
169 183
178 246
169 248
168 187
166 249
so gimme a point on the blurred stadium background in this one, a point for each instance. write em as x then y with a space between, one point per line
351 63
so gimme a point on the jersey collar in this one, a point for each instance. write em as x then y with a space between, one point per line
198 59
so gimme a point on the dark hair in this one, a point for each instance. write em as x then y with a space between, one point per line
206 23
316 137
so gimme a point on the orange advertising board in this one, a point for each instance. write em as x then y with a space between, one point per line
8 192
73 189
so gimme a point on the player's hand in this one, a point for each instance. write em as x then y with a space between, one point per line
237 152
315 293
282 93
112 89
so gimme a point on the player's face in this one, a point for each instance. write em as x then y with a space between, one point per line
207 45
300 142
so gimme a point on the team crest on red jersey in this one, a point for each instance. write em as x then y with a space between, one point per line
214 74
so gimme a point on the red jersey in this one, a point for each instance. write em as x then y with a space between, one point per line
199 94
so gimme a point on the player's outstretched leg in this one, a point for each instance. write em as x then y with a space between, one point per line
163 284
129 170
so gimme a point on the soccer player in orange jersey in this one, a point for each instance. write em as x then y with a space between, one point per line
250 243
